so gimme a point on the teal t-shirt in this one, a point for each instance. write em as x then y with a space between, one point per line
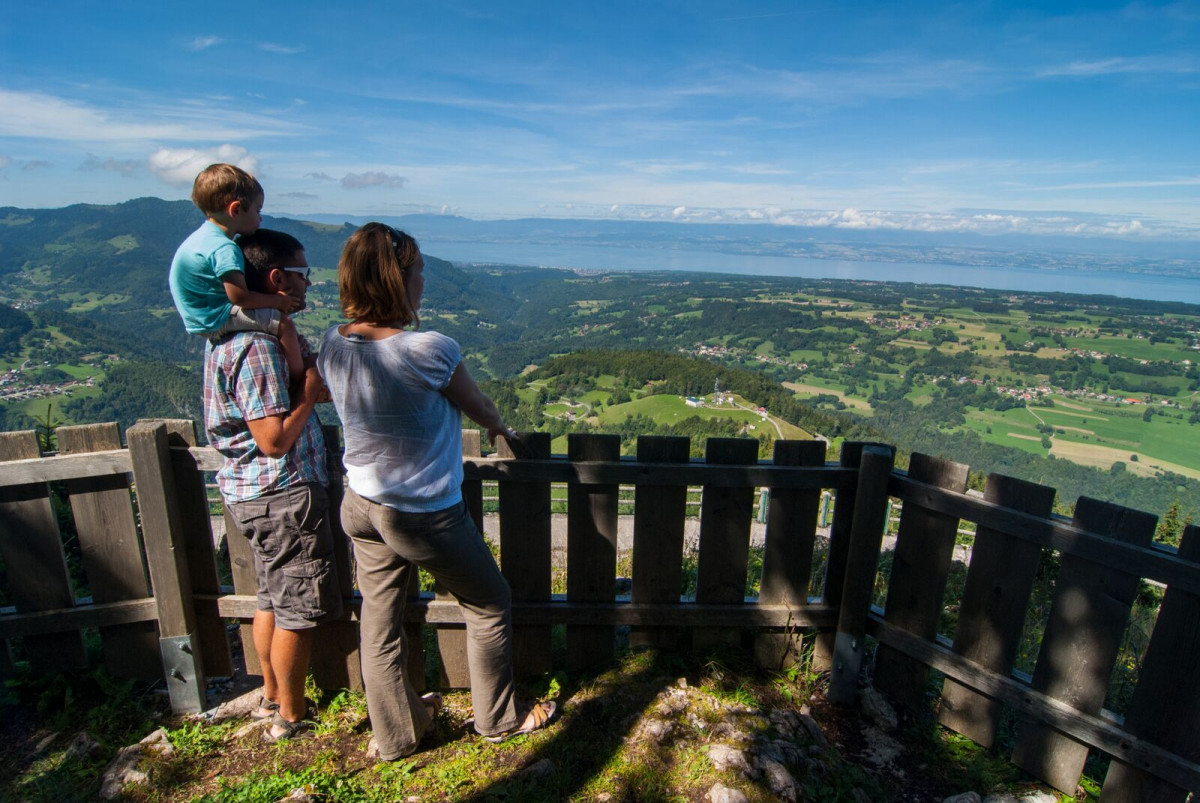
196 272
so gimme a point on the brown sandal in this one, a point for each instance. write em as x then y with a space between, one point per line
537 716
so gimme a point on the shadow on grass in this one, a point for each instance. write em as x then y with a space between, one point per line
596 748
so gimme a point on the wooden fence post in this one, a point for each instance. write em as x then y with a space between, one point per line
1166 702
725 515
862 559
163 532
920 567
591 549
452 641
659 513
111 552
839 548
525 550
994 605
198 542
1083 636
335 660
245 583
788 553
33 557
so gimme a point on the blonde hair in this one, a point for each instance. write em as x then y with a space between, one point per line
371 276
219 185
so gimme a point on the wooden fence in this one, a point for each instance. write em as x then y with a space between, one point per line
142 522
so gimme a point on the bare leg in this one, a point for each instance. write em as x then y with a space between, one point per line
290 650
264 631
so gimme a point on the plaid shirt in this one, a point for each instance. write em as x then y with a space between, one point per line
245 379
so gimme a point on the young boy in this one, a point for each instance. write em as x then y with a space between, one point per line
208 279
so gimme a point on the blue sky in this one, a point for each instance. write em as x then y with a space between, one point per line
990 116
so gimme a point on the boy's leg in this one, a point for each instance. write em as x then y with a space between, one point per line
289 342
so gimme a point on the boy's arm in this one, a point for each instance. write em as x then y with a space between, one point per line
244 297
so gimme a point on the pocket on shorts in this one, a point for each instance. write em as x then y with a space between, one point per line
253 518
310 590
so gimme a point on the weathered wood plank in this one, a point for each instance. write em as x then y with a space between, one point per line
166 556
53 468
725 515
1152 563
788 552
839 547
995 602
429 610
111 552
33 557
658 525
335 661
1166 703
630 472
1100 732
198 542
1082 638
245 583
862 558
452 641
62 620
591 549
921 565
525 548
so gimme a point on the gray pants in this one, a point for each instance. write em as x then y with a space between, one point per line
388 547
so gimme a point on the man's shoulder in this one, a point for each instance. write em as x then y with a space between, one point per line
236 348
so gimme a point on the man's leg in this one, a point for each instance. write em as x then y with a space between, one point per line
264 633
290 651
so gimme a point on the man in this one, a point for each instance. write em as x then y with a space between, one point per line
273 482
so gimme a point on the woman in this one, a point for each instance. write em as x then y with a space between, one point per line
399 394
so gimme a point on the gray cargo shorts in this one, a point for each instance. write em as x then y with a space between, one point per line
293 554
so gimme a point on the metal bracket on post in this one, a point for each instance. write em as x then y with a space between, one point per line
184 683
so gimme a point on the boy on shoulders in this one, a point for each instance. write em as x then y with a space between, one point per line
207 277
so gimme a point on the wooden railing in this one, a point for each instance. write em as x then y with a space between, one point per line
1103 553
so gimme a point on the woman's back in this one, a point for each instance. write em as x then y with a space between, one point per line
403 436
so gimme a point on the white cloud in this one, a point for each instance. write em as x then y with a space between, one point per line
373 178
179 166
5 161
126 167
679 212
204 42
39 116
36 164
1170 65
271 47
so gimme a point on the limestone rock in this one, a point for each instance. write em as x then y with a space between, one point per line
539 769
965 797
726 757
813 730
126 767
881 748
723 794
877 709
782 784
786 723
44 743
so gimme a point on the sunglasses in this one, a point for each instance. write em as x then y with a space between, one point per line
305 272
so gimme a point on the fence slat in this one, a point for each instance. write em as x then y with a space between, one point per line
862 557
241 565
34 560
525 550
788 552
452 641
659 512
839 547
1166 702
111 552
920 567
1083 636
591 548
166 556
725 515
335 661
994 604
198 541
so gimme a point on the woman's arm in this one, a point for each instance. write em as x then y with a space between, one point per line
466 396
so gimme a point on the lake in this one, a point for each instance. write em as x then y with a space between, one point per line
1124 285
